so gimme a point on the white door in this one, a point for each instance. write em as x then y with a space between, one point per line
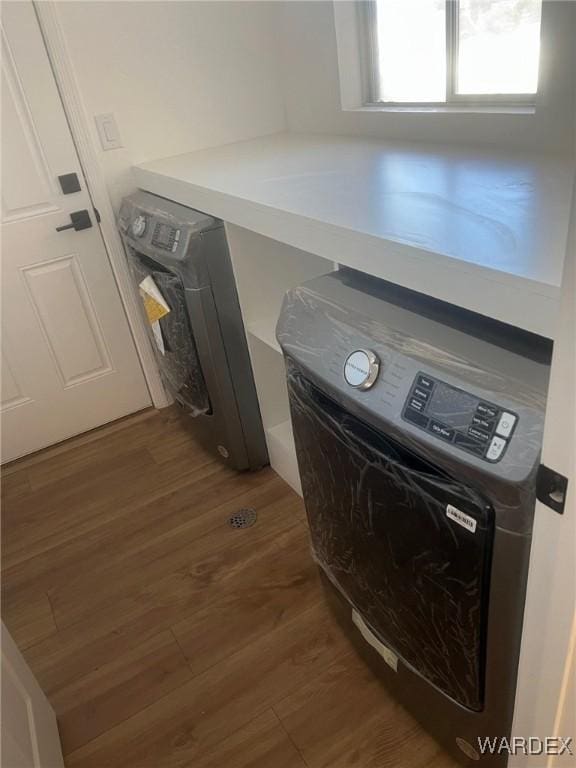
29 730
68 360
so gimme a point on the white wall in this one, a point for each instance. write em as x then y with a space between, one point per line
178 76
311 88
181 76
545 690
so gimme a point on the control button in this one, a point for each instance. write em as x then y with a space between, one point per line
484 423
417 405
506 424
361 369
423 394
489 411
416 418
463 441
441 431
495 449
425 382
479 434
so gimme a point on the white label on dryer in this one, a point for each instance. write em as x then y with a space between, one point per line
389 656
461 518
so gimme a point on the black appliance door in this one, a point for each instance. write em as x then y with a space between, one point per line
381 530
179 363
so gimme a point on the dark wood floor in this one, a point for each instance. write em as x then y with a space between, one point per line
165 638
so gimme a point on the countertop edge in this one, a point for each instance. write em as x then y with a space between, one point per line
504 296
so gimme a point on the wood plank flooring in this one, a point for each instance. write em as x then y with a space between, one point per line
163 637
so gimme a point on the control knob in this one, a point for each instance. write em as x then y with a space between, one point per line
361 368
139 226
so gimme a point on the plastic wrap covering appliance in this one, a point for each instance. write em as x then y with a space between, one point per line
418 430
199 342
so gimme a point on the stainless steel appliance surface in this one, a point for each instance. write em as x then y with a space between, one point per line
200 345
418 430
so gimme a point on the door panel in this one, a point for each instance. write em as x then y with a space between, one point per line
29 730
16 714
11 393
71 364
379 526
66 314
31 190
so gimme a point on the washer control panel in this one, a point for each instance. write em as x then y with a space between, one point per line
361 368
460 418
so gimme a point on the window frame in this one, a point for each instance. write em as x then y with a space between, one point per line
369 53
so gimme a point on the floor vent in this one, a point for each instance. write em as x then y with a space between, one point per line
244 518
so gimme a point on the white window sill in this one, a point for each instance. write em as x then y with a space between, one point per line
452 109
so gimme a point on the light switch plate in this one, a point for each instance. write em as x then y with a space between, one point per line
108 131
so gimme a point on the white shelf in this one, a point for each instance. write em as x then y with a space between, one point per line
270 380
265 269
282 452
481 230
264 329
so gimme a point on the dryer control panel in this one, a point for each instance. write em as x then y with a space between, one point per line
165 237
459 417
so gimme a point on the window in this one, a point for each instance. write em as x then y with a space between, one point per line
438 52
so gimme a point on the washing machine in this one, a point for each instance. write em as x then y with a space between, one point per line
418 430
180 256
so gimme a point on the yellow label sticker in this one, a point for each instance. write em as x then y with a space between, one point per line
154 303
154 310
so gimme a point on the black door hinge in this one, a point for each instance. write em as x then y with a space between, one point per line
97 214
551 488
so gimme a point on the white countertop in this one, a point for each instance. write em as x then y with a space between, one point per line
481 230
